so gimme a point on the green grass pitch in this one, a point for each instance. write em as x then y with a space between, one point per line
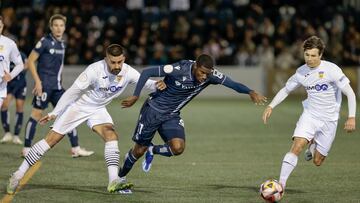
229 153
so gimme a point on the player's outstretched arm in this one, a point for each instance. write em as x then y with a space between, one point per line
128 102
267 113
33 57
258 99
350 125
47 118
350 122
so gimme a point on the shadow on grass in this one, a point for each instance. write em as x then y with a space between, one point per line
90 189
249 188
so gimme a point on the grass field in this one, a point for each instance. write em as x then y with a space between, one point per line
229 152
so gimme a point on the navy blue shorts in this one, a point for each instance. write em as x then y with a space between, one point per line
48 95
169 126
17 89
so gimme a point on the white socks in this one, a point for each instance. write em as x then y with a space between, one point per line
288 165
34 155
112 155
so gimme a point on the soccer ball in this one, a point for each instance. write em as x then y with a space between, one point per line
271 191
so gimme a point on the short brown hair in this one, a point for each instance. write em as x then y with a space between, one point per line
205 61
56 17
115 50
314 42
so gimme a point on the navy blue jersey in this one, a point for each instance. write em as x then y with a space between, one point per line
182 85
50 62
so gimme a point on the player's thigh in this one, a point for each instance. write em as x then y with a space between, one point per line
172 128
6 102
55 96
148 123
325 137
41 102
102 123
20 92
69 119
306 127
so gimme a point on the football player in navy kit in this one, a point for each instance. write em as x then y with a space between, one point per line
161 111
49 52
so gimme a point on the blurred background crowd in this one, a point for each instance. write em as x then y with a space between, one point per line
236 32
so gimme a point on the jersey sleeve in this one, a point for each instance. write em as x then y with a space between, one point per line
135 75
292 83
219 78
15 57
339 77
86 78
40 46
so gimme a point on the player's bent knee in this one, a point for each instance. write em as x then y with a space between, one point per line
177 149
318 162
138 151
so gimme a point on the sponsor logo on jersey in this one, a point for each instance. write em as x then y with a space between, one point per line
318 87
111 88
1 58
56 51
321 74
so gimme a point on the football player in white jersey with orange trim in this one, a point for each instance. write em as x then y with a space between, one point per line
86 100
8 53
324 82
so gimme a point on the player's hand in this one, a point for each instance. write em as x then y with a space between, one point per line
160 85
350 125
46 119
267 114
258 99
128 102
37 89
6 77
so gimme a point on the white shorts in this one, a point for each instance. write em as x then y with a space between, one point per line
323 132
76 114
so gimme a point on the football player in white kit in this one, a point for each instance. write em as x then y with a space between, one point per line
8 53
323 81
85 100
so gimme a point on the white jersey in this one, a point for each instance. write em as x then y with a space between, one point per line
322 85
8 53
102 86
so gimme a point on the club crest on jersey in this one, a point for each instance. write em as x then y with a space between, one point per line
118 78
321 74
1 47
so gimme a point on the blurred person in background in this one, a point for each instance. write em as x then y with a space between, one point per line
49 53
